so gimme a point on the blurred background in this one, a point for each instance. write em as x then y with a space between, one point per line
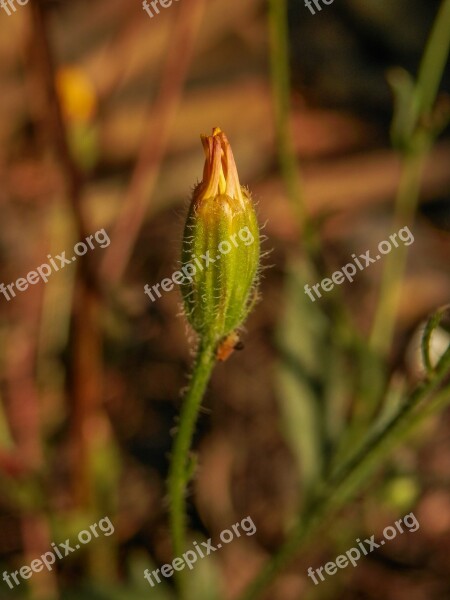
101 108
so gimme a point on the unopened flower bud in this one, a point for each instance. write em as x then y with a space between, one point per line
221 247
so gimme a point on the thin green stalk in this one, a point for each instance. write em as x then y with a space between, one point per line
281 90
6 439
415 152
372 373
372 380
291 173
343 487
434 60
406 204
358 468
398 426
181 464
280 72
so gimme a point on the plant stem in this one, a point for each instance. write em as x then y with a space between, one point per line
357 469
433 62
6 439
180 467
354 474
406 204
421 138
398 426
281 90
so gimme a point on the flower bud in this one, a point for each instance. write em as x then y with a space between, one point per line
220 254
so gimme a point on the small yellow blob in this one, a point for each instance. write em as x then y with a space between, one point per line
76 93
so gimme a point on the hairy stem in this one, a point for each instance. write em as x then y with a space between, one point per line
181 464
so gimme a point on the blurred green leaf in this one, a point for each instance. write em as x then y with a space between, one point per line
301 339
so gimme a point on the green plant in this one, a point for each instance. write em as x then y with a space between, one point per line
218 296
338 456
